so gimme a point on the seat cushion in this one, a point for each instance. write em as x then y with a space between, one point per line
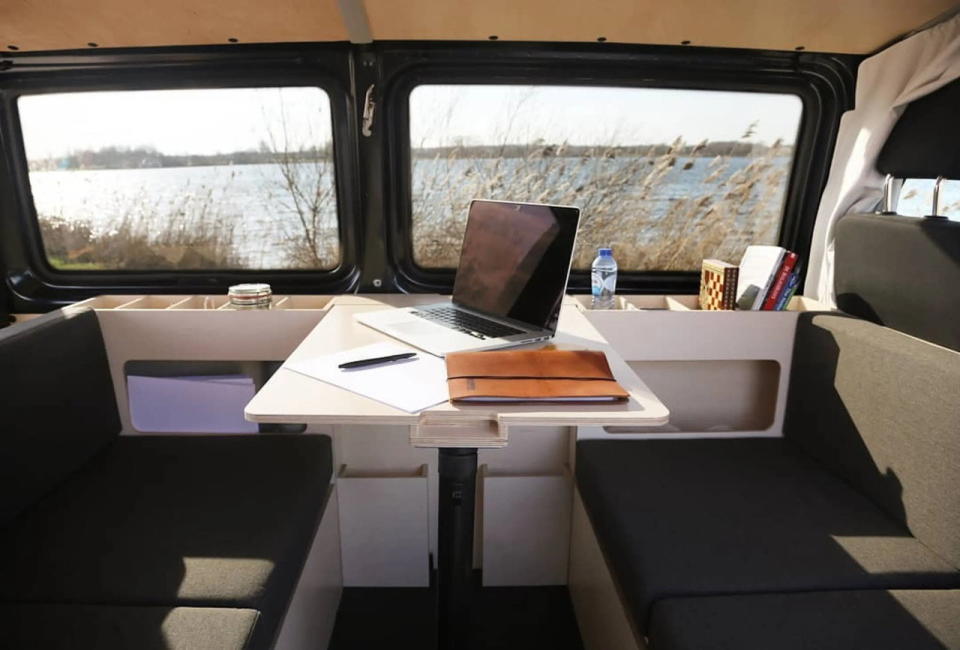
220 521
838 620
59 408
882 411
707 517
56 627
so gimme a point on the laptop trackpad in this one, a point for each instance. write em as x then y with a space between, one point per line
415 328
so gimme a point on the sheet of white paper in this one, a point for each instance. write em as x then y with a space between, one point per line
407 385
190 404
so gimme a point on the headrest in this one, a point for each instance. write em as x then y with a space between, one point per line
902 272
925 141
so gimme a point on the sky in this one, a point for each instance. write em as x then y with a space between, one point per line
174 121
224 120
439 115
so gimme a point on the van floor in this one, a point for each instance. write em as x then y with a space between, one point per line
503 618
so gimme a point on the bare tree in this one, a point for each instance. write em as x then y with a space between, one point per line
307 193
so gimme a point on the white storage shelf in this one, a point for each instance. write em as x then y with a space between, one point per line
721 373
689 302
197 302
384 534
526 528
187 328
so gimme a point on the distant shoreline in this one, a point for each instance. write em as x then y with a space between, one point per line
144 158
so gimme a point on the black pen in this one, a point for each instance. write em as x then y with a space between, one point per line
361 363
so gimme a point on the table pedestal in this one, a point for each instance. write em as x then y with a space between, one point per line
457 468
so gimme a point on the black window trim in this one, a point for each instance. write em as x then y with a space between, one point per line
822 82
369 183
324 67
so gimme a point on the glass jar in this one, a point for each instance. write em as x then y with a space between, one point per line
250 296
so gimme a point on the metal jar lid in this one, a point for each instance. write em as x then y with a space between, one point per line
253 295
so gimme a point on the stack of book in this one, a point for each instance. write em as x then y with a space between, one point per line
769 276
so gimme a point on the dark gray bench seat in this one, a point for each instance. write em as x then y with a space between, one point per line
191 536
707 517
862 494
835 620
105 627
213 521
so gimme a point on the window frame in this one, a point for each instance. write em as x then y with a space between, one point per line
820 85
216 69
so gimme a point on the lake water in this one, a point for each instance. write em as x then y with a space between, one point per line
254 199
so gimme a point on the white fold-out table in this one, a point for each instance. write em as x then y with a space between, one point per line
457 431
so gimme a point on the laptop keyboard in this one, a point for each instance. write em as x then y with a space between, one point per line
465 322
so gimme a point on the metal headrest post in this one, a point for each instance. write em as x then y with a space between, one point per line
891 194
935 210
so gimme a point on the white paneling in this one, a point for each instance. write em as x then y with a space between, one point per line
600 614
526 530
532 450
313 610
386 450
693 348
197 335
383 529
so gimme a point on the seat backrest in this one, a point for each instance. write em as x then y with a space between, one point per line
58 407
925 141
902 272
882 410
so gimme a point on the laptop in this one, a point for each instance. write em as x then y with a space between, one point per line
509 286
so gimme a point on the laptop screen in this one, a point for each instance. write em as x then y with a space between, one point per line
515 260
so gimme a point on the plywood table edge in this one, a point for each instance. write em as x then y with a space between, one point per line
484 426
579 419
409 419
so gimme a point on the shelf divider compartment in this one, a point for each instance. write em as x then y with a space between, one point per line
525 528
721 373
384 536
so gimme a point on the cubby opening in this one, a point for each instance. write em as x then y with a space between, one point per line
524 522
711 396
384 527
185 396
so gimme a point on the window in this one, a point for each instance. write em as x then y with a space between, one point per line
207 179
916 198
665 177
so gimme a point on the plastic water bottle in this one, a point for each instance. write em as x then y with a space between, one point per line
603 278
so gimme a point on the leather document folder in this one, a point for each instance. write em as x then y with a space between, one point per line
556 376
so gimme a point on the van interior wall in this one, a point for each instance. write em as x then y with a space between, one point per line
374 208
886 84
379 460
855 26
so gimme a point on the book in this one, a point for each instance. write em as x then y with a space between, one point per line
532 376
790 289
780 281
718 285
758 266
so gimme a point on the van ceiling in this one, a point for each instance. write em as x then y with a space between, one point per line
841 26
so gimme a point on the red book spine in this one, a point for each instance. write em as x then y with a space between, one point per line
786 268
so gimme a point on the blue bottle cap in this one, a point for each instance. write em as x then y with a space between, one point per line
606 252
